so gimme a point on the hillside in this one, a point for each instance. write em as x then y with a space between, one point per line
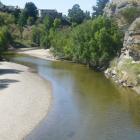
125 69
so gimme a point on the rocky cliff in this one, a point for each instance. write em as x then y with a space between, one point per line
125 69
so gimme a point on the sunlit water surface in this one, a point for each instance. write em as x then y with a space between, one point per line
85 105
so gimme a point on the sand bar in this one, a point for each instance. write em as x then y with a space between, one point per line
24 100
39 53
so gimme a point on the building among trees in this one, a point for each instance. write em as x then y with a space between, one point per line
49 12
8 9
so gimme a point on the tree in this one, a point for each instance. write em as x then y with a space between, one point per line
45 41
48 22
22 21
5 38
6 19
16 13
94 42
56 23
98 9
30 21
76 15
87 15
31 10
36 35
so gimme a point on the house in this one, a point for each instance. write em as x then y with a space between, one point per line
9 9
49 12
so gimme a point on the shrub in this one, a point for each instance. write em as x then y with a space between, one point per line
94 42
113 7
137 27
130 14
5 38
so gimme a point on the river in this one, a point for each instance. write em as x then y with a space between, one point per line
85 105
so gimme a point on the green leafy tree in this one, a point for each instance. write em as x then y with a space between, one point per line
95 42
5 39
45 41
56 23
87 15
16 14
76 14
48 23
31 10
98 9
22 21
30 21
36 35
130 14
6 19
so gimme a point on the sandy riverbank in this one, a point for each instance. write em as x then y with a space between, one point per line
39 53
24 100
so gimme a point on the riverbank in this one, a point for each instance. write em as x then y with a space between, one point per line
39 53
123 78
47 55
24 100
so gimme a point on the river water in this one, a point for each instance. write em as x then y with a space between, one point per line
85 105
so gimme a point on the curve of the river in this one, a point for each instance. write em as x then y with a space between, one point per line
86 105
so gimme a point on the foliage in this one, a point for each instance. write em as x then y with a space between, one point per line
76 15
98 9
87 15
22 19
6 19
5 38
31 10
130 14
22 22
36 35
45 41
56 23
48 23
94 42
112 6
30 21
137 26
16 14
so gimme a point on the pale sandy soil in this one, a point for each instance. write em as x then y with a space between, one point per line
24 100
40 53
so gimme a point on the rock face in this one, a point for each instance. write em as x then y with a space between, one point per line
125 69
132 40
124 1
116 8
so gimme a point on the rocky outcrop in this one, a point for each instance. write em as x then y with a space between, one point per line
115 9
125 70
132 40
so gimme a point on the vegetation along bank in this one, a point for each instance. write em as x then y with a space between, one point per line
96 39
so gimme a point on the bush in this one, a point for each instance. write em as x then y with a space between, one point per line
112 6
137 27
5 38
6 19
130 14
94 42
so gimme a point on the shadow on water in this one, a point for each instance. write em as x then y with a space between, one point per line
86 105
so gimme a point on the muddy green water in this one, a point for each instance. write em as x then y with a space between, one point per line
85 106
